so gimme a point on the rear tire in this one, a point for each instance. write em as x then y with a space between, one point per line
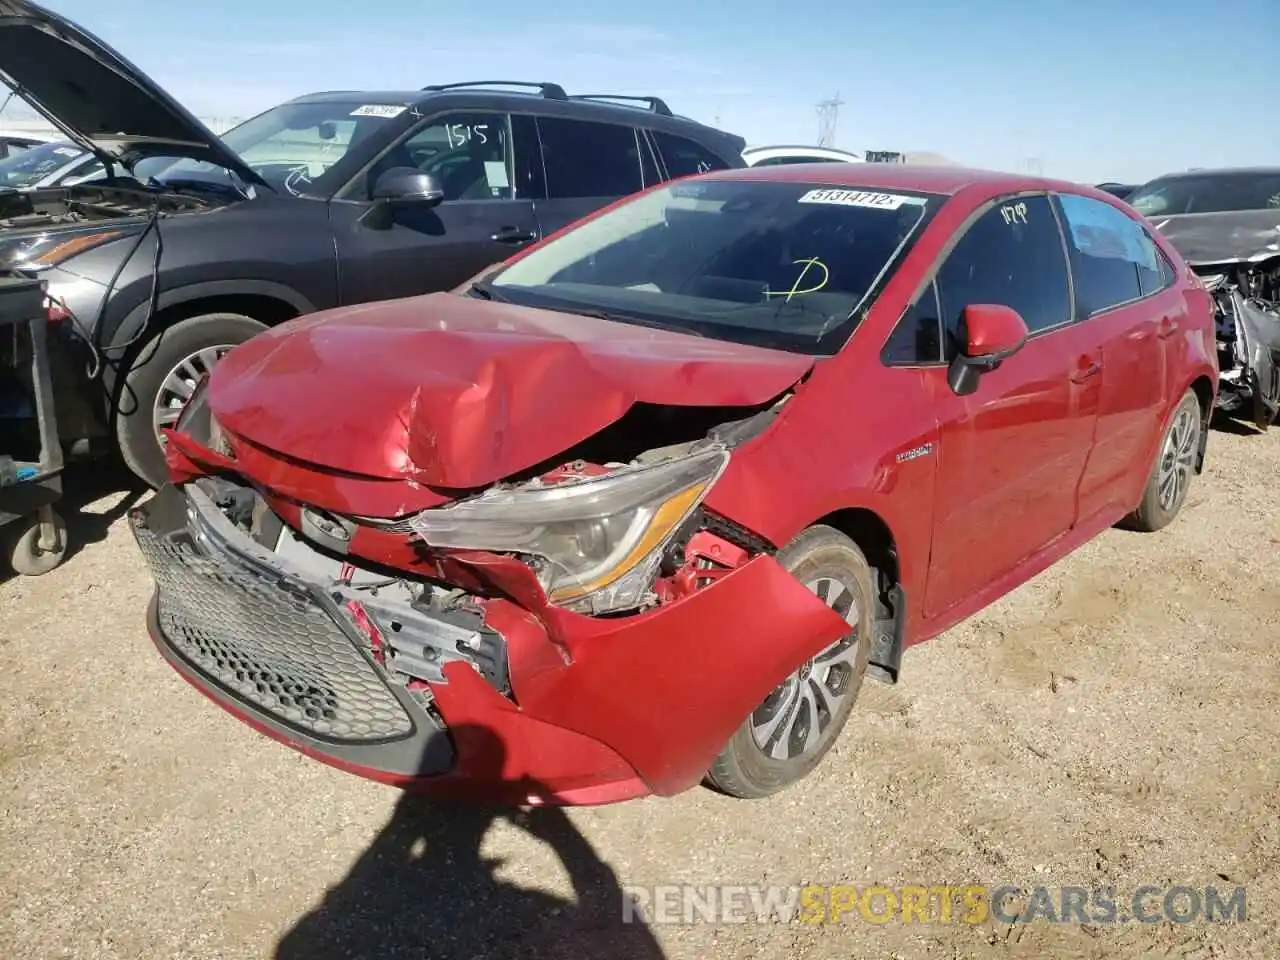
163 372
789 734
1175 466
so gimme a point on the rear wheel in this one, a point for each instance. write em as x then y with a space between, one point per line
162 378
792 730
1174 468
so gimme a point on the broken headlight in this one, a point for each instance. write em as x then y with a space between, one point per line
598 542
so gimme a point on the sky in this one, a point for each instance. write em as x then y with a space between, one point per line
1076 89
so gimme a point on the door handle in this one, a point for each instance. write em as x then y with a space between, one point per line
513 235
1086 367
1166 328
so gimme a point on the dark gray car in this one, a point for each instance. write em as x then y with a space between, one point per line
1226 225
193 243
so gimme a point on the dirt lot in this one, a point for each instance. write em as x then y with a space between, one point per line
1114 722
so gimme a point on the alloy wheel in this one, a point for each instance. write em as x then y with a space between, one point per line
793 718
1177 458
180 383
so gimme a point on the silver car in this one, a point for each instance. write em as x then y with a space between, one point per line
55 164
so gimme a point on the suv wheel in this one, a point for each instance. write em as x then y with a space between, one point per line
792 730
162 377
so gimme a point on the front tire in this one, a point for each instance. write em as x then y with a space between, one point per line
792 730
1175 465
162 377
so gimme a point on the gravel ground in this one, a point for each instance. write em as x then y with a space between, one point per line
1112 722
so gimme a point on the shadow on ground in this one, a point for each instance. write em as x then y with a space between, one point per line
1241 428
83 484
422 889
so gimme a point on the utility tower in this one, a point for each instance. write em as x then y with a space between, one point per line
828 115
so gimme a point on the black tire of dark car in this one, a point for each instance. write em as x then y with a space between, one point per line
1174 464
832 565
140 445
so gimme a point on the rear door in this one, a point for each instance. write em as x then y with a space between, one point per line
587 164
484 218
1125 297
1011 454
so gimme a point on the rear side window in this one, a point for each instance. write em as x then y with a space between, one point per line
1114 261
683 157
586 159
1011 255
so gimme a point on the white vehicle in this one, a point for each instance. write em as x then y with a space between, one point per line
58 163
770 156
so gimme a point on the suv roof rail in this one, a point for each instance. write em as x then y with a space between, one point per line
552 91
656 104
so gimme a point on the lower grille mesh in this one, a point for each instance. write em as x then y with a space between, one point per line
272 645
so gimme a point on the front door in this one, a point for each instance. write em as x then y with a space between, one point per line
483 218
1011 454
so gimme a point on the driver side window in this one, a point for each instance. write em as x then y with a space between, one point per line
1013 256
468 153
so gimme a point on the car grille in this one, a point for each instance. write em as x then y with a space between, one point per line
270 643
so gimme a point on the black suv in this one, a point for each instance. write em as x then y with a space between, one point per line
194 243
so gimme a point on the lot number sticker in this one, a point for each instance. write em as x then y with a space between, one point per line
385 110
859 198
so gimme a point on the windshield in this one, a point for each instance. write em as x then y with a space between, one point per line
31 166
783 265
293 145
1212 193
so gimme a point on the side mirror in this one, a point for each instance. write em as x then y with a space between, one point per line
993 334
397 189
407 186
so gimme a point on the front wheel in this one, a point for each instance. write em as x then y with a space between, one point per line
792 730
161 380
1175 465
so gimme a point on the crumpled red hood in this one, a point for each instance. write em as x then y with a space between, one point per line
456 392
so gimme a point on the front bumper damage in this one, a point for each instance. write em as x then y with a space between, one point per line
1236 255
507 707
1248 333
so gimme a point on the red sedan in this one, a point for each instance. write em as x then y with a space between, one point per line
645 505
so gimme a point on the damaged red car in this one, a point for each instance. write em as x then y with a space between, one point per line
644 506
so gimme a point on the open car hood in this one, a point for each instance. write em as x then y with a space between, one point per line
95 96
455 392
1236 236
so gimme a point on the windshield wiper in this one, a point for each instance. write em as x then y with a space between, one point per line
483 291
633 320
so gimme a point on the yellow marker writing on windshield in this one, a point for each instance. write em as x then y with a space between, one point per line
795 290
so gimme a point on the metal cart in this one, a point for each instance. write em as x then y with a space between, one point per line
34 535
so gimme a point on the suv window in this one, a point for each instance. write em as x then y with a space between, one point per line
1114 261
469 153
1210 193
683 157
587 159
1011 255
295 146
31 166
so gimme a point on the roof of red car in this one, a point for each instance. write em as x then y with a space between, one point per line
946 180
